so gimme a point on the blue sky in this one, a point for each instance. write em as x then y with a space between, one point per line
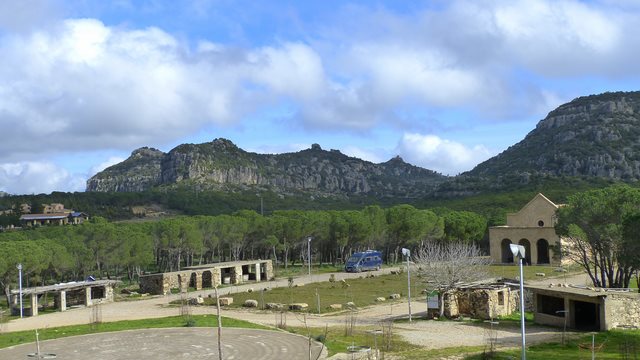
444 84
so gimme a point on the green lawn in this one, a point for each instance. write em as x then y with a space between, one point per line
21 337
530 271
614 344
361 291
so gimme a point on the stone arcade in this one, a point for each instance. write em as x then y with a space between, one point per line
207 276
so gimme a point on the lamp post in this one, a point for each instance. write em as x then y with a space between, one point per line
519 252
407 253
309 254
20 286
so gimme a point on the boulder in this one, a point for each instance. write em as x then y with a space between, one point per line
335 306
299 306
274 306
380 299
394 296
250 303
350 305
225 301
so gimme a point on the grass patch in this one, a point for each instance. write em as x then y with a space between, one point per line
337 342
616 344
22 337
361 291
530 271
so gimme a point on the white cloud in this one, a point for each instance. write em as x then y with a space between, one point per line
38 177
105 164
442 155
374 156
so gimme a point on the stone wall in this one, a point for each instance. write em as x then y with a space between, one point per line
622 309
481 303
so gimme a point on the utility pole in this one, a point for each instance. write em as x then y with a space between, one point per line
20 286
519 252
407 253
309 255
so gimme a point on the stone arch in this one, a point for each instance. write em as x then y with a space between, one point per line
542 246
505 251
207 279
193 280
527 250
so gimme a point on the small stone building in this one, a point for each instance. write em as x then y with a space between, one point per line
207 276
531 227
481 300
585 308
76 293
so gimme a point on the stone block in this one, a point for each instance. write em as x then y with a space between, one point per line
299 306
225 301
274 306
250 303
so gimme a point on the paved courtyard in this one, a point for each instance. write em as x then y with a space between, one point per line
174 343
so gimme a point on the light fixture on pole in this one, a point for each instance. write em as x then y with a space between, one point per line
407 253
519 252
20 286
309 254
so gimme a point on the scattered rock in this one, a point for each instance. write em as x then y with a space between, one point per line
298 285
299 306
540 274
394 296
250 290
350 305
226 301
196 301
274 306
250 303
380 299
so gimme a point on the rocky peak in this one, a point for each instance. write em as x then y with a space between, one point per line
597 135
146 152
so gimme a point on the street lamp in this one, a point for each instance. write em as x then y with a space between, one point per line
519 252
20 286
309 254
407 253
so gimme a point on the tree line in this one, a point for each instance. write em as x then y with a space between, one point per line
127 249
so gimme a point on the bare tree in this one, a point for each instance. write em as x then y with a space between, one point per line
442 266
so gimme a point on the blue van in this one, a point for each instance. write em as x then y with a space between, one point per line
363 261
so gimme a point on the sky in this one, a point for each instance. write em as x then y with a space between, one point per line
443 84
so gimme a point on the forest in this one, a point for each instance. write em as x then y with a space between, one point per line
128 249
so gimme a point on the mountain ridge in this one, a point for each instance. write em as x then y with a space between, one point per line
220 162
591 137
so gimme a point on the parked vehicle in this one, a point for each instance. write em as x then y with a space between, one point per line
364 261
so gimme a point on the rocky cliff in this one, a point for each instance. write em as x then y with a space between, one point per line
221 162
594 136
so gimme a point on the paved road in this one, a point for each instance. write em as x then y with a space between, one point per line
174 343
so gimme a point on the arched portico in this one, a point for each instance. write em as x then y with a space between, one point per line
527 250
542 245
505 250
